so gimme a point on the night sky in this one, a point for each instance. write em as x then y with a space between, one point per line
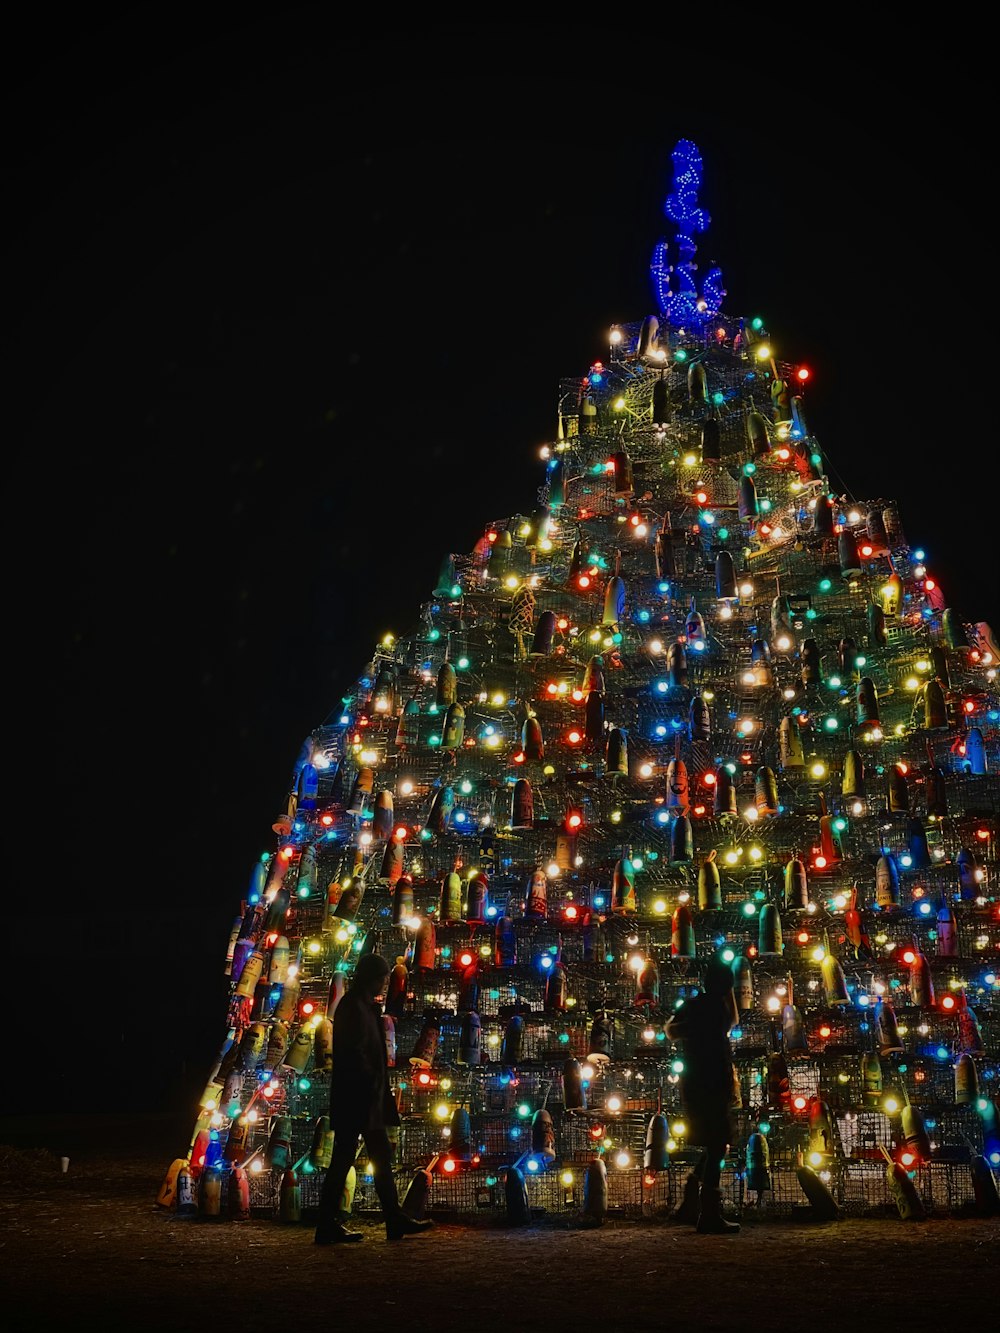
293 306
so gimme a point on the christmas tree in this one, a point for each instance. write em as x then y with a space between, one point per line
691 704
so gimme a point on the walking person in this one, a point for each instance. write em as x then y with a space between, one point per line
702 1026
361 1105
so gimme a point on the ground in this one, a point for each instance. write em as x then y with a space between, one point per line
89 1249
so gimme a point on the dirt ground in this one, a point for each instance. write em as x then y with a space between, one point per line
89 1249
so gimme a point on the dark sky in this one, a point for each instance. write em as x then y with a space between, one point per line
293 307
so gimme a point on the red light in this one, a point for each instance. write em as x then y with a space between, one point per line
969 706
930 585
752 951
577 696
583 581
562 624
574 820
802 373
476 1159
466 959
709 779
909 957
308 1007
574 738
800 1103
824 1031
907 1158
551 688
491 536
287 853
570 912
765 529
982 834
362 722
272 939
803 937
947 1002
326 820
903 768
699 809
821 863
400 833
423 1079
649 1179
701 497
784 454
597 1131
634 520
448 1164
867 550
519 757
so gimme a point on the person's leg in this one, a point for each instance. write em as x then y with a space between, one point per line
687 1209
328 1225
379 1150
710 1219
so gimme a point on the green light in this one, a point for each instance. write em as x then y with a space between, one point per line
815 459
307 1167
680 354
304 891
446 951
825 585
652 856
609 958
434 635
616 638
524 1110
677 1066
462 664
840 824
304 1085
490 1181
749 909
765 505
433 709
465 786
757 323
831 723
564 1038
636 862
810 614
760 895
433 741
723 534
730 769
834 682
426 835
765 1126
749 468
728 955
860 661
718 399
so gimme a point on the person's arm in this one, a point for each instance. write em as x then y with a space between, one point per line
677 1025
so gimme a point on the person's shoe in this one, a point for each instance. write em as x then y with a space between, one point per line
401 1225
687 1209
336 1234
710 1219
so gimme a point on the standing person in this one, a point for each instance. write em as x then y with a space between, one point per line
702 1026
361 1104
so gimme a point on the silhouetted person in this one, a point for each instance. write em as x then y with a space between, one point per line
702 1026
361 1104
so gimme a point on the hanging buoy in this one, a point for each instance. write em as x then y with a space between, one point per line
769 939
968 882
877 637
758 1163
510 1048
647 985
902 1190
966 1081
725 577
790 752
555 988
543 1135
886 882
697 383
681 840
796 885
935 793
460 1136
952 630
756 434
616 754
614 601
505 943
743 983
425 1049
847 555
238 1195
823 517
522 807
694 625
821 1138
766 791
778 1090
916 842
544 633
824 1206
417 1194
655 1156
450 904
299 1051
290 1198
408 729
935 706
676 785
424 957
661 402
536 899
323 1046
781 402
593 717
677 667
555 476
975 752
187 1199
793 1033
321 1151
593 950
699 719
871 1076
442 807
447 685
252 1046
852 919
574 1093
915 1136
288 1001
724 799
389 1035
595 1191
834 982
453 731
393 861
891 593
711 440
899 796
477 898
867 702
809 664
886 1031
852 783
623 887
683 942
601 1043
532 745
709 884
361 791
921 981
747 504
663 554
250 974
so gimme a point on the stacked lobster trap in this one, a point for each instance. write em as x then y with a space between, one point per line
692 703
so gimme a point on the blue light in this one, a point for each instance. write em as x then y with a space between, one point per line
596 377
599 900
919 555
532 1164
643 616
673 284
662 686
925 909
942 1053
659 729
546 960
663 587
906 859
698 645
515 1133
460 816
344 720
491 911
864 1001
662 817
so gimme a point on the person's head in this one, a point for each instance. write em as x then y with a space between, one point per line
718 977
370 975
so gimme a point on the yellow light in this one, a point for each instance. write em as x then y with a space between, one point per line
671 1145
783 643
890 1105
755 853
678 1129
566 1178
405 788
843 1078
388 640
923 665
818 769
747 725
511 581
645 770
689 460
659 907
491 742
818 954
725 611
731 858
912 683
616 816
815 1159
655 646
493 1039
637 962
587 1071
252 1117
622 1159
619 404
544 544
498 700
256 1166
746 589
341 936
614 1103
369 756
763 352
313 946
750 814
552 870
773 1004
442 1110
614 338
